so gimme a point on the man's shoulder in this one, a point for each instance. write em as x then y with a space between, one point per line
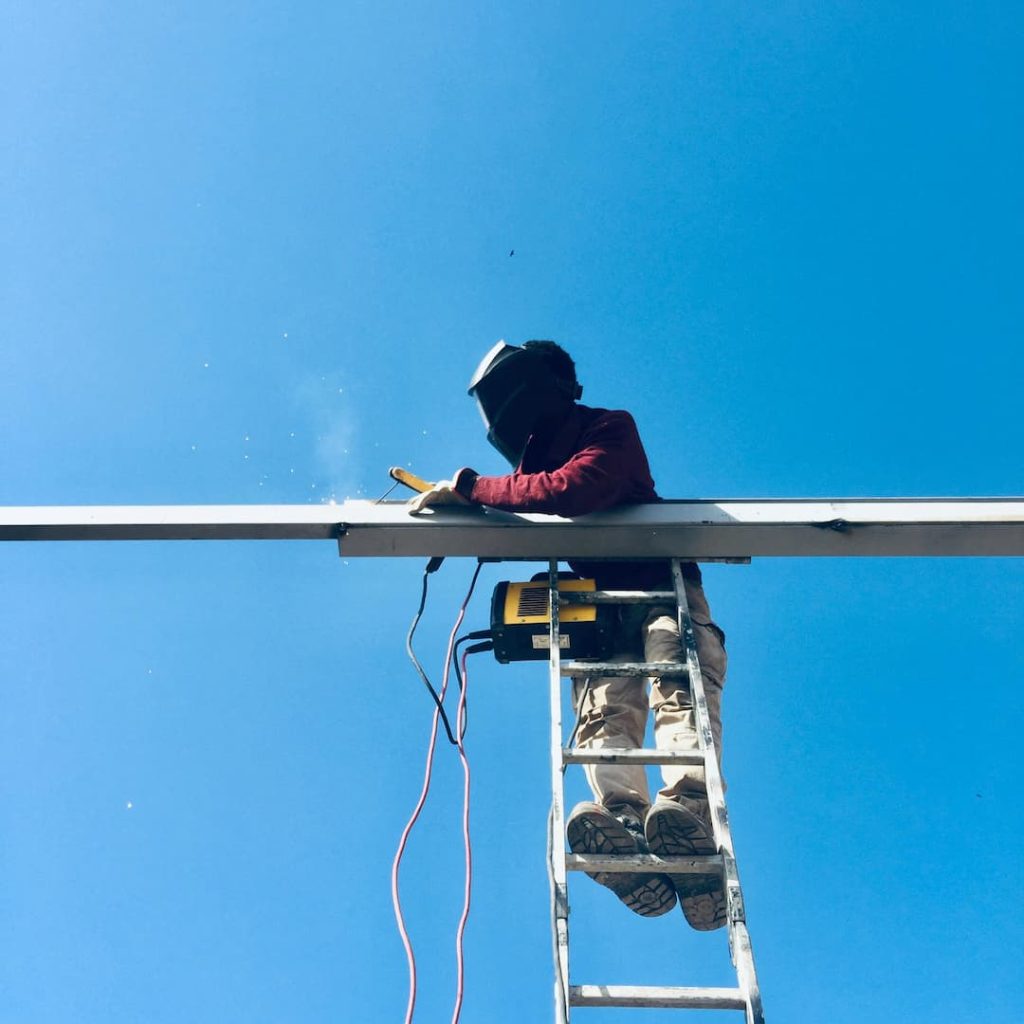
607 419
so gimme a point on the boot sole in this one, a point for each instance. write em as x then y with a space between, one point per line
677 832
597 831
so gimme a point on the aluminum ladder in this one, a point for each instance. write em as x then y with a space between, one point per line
746 995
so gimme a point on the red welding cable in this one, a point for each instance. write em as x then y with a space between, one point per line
467 892
395 899
428 769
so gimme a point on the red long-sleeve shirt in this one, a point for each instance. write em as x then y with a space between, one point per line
594 461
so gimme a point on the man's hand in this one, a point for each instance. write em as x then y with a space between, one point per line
442 493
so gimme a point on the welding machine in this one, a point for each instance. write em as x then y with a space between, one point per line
521 622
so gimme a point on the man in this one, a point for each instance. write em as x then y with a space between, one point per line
570 459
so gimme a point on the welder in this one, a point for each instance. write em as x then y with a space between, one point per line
570 459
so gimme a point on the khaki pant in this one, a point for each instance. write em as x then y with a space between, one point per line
613 710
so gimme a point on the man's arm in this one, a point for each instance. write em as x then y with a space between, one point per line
608 469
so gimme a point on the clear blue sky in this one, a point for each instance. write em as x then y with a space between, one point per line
251 252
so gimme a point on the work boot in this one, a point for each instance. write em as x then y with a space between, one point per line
682 829
592 828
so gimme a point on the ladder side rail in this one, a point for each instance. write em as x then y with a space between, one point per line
556 819
739 937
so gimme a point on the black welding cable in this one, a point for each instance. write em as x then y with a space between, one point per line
487 645
579 713
431 566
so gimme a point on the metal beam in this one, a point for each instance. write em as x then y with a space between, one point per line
692 529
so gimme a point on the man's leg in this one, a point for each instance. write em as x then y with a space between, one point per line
612 712
675 726
679 823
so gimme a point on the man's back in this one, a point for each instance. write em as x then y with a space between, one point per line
594 460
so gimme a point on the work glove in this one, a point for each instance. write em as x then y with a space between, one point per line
442 493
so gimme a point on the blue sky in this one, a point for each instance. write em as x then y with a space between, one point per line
253 252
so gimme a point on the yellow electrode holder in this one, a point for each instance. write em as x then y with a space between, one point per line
411 480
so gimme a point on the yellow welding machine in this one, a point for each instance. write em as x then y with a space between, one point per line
521 622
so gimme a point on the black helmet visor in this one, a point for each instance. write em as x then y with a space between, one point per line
515 391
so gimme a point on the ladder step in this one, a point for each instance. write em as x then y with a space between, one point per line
632 755
657 995
627 668
618 597
644 863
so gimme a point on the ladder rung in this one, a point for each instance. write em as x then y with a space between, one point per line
627 668
637 755
644 863
617 597
657 995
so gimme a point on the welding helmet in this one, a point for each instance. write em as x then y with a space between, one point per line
517 390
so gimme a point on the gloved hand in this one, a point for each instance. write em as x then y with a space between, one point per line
442 493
